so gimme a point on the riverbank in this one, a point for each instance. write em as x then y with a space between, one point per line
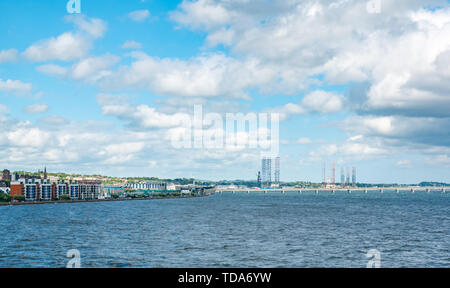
95 200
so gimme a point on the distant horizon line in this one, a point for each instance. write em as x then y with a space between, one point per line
222 180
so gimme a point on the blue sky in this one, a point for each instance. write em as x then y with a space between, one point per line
100 91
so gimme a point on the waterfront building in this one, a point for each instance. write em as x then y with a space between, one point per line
31 192
109 190
74 191
16 188
53 179
42 189
32 189
45 192
148 186
61 189
171 187
89 190
5 190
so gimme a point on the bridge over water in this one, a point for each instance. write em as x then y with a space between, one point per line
349 190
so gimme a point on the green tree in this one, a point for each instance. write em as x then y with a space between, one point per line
19 198
4 197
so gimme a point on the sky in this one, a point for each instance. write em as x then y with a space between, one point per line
363 84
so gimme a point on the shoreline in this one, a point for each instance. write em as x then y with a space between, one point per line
93 201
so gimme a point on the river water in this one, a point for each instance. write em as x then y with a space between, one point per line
241 230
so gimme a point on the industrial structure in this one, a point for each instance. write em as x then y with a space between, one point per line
333 173
345 176
277 171
266 171
347 180
265 177
324 173
354 176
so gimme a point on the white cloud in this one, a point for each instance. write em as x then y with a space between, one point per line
28 137
304 141
129 44
123 148
89 69
442 159
53 70
4 110
139 15
121 153
54 120
15 86
93 27
65 47
202 14
397 51
68 46
350 151
143 116
36 108
361 150
223 36
402 57
314 102
322 102
412 130
212 76
8 55
404 164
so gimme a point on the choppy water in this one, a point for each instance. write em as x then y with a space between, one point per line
233 231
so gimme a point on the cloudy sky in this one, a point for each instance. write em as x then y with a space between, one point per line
102 91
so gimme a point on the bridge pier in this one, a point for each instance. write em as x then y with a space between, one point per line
413 191
317 192
365 191
428 191
443 190
349 191
299 191
382 191
397 191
